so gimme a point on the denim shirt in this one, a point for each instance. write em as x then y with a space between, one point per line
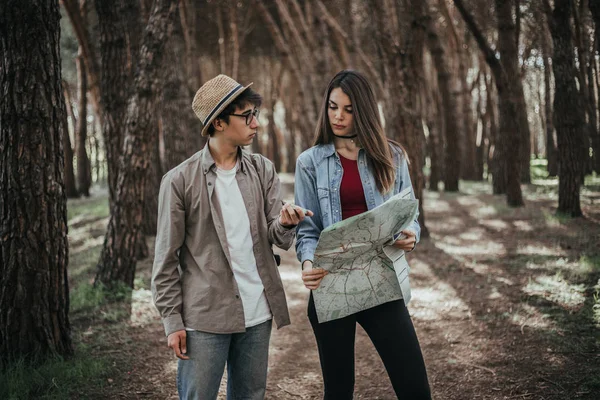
317 188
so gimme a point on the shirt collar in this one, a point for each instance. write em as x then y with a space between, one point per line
208 162
323 151
327 150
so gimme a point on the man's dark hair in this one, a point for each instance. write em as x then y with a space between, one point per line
245 98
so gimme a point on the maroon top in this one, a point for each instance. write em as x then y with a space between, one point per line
352 195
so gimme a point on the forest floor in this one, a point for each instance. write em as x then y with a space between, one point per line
505 303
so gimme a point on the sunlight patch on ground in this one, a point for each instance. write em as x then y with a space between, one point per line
495 224
476 248
473 234
438 206
171 367
495 294
483 212
143 311
523 226
437 302
471 202
450 224
558 290
544 263
529 316
504 280
531 249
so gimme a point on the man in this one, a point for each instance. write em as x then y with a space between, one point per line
215 280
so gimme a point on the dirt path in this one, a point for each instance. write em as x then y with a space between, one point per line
502 304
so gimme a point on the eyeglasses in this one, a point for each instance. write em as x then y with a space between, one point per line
248 115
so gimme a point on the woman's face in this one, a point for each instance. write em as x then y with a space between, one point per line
339 111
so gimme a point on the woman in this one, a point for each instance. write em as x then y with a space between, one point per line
353 168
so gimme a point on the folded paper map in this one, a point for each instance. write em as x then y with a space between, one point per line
365 270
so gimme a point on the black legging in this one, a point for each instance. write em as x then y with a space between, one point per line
391 330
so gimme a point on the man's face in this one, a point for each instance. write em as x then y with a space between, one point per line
236 132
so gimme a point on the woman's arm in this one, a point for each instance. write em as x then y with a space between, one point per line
305 196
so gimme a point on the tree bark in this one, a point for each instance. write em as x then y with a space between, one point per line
70 187
551 151
568 116
118 257
152 187
187 14
75 11
525 132
449 107
179 128
594 7
507 163
34 291
114 56
83 162
403 65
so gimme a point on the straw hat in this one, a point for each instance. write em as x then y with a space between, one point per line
212 98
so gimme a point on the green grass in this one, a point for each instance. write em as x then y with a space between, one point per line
85 297
55 378
93 207
539 169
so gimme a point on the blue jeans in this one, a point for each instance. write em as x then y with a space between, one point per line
246 355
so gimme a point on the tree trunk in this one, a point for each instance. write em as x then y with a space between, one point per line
436 145
83 163
187 14
118 257
235 40
594 7
525 132
449 108
568 117
34 291
582 22
511 99
76 12
551 151
507 163
179 128
70 187
403 68
492 111
114 54
482 131
152 188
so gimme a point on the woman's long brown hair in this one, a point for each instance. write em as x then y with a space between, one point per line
366 125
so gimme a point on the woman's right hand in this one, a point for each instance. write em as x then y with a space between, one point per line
312 277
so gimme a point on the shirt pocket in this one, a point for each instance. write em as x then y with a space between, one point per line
324 204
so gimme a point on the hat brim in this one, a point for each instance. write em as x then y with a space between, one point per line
224 103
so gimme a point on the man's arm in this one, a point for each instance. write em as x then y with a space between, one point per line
166 288
279 235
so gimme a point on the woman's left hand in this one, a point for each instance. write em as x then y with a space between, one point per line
406 241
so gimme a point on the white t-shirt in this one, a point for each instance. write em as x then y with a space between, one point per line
239 241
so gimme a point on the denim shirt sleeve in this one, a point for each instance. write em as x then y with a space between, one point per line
308 230
405 182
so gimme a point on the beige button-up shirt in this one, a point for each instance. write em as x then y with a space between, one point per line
192 282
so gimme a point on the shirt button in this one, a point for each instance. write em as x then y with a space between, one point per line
209 184
237 296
